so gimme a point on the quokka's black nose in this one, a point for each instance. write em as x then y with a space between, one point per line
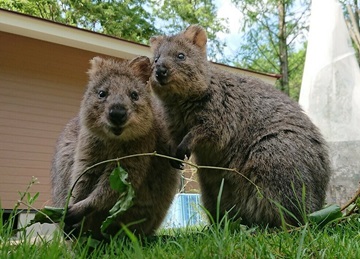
118 115
162 73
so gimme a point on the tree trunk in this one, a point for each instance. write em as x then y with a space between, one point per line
357 27
283 51
356 8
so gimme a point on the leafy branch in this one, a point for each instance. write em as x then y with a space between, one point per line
118 181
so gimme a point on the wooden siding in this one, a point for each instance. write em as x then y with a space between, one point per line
41 88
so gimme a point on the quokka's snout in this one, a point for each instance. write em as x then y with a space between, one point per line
117 115
162 73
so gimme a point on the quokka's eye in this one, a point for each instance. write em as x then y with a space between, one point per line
156 59
102 94
181 56
134 96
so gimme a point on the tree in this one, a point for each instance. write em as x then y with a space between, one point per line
273 40
351 12
135 20
126 19
46 9
175 15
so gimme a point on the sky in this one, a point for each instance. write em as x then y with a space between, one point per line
228 10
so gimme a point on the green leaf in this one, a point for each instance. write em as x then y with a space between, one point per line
324 216
357 202
48 215
118 181
33 199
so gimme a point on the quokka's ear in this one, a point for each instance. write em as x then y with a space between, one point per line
95 64
155 41
141 67
197 35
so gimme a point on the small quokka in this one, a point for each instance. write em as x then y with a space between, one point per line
118 117
232 121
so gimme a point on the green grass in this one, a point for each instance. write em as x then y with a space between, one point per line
335 240
338 239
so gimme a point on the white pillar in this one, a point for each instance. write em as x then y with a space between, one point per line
330 94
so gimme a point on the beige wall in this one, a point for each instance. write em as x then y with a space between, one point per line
41 86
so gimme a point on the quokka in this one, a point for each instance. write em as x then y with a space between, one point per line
239 122
118 117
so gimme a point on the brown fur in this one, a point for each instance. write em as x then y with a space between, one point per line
239 122
93 137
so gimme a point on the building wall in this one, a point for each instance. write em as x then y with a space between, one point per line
41 86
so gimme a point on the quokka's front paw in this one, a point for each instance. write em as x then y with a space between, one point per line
177 164
73 215
181 152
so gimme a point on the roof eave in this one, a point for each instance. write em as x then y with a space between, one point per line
41 29
58 33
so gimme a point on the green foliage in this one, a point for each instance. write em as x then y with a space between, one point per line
130 19
118 182
48 215
351 11
47 9
265 60
296 68
260 49
126 19
326 215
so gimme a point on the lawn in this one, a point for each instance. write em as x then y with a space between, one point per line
340 239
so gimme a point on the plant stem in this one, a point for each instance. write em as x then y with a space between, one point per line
163 156
352 200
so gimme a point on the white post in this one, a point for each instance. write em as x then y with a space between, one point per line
330 95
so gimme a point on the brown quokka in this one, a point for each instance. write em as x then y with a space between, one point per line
118 117
233 121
